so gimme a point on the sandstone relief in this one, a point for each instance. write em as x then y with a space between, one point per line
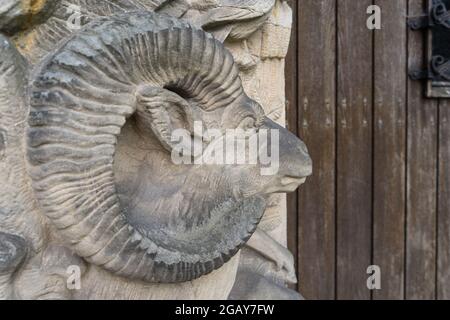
91 95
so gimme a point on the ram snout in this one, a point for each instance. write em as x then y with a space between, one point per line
294 164
283 163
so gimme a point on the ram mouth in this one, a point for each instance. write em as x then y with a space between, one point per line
288 180
291 183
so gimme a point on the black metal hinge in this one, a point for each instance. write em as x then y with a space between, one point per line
419 74
418 23
438 15
437 22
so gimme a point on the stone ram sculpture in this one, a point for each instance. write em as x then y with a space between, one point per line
85 149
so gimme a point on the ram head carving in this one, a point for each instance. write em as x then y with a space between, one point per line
103 107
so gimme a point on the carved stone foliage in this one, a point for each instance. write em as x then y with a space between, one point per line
87 116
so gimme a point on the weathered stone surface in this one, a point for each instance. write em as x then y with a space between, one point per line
16 15
87 140
13 250
262 288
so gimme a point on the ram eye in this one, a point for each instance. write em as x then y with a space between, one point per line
248 123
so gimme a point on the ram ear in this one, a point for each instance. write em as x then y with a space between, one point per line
164 112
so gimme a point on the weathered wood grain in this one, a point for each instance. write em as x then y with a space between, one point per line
354 149
392 155
443 218
389 157
317 96
421 176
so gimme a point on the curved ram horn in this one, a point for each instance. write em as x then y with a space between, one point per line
17 206
20 230
80 99
45 31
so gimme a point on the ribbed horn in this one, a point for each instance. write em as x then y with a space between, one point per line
80 98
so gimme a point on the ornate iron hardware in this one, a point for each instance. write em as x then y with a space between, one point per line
438 15
437 23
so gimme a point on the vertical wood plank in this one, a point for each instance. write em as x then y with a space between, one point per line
292 120
317 95
354 158
421 176
390 56
443 219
